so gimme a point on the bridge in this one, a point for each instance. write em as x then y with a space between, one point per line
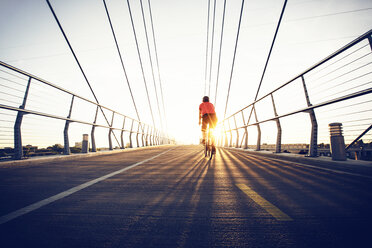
106 155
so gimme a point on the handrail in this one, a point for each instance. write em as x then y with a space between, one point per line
2 106
339 99
334 54
300 78
157 137
59 88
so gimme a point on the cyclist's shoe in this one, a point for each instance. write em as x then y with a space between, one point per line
213 150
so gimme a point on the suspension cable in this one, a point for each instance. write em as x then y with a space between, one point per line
121 60
211 57
157 62
233 63
77 61
268 57
219 54
271 48
206 51
139 56
152 68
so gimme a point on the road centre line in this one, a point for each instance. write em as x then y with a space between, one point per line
39 204
270 208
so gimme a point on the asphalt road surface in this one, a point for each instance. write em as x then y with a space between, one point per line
171 196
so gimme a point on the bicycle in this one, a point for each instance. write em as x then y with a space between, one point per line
209 147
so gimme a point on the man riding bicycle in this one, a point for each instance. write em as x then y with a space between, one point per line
207 116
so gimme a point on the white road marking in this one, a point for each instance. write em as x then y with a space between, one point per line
32 207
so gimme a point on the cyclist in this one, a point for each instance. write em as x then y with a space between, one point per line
207 115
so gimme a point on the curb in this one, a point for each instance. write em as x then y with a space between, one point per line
303 159
52 158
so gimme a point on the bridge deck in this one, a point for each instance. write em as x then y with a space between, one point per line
172 196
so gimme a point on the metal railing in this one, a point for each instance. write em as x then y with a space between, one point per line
13 91
337 86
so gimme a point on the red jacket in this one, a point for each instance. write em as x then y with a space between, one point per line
206 108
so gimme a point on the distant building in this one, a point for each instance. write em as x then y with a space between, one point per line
30 148
78 144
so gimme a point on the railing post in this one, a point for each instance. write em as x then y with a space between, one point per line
278 147
138 129
94 148
122 135
110 131
237 134
66 148
245 133
130 135
258 146
230 131
156 137
18 148
370 41
226 144
143 135
150 138
313 152
147 135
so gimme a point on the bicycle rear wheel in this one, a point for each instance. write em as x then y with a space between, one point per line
206 149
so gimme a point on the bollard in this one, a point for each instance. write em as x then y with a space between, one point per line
85 144
337 142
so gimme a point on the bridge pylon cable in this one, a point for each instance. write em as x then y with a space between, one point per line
220 51
81 68
121 60
233 63
206 51
271 48
151 64
141 64
157 63
268 56
211 56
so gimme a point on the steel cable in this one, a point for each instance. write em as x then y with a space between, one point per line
352 88
219 54
152 67
233 62
140 59
349 80
212 41
14 75
10 101
157 62
343 107
121 60
269 55
349 63
206 50
316 72
9 80
5 86
77 61
271 48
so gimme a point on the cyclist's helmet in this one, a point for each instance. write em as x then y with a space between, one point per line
206 99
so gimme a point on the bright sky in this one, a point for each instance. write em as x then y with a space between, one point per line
310 31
